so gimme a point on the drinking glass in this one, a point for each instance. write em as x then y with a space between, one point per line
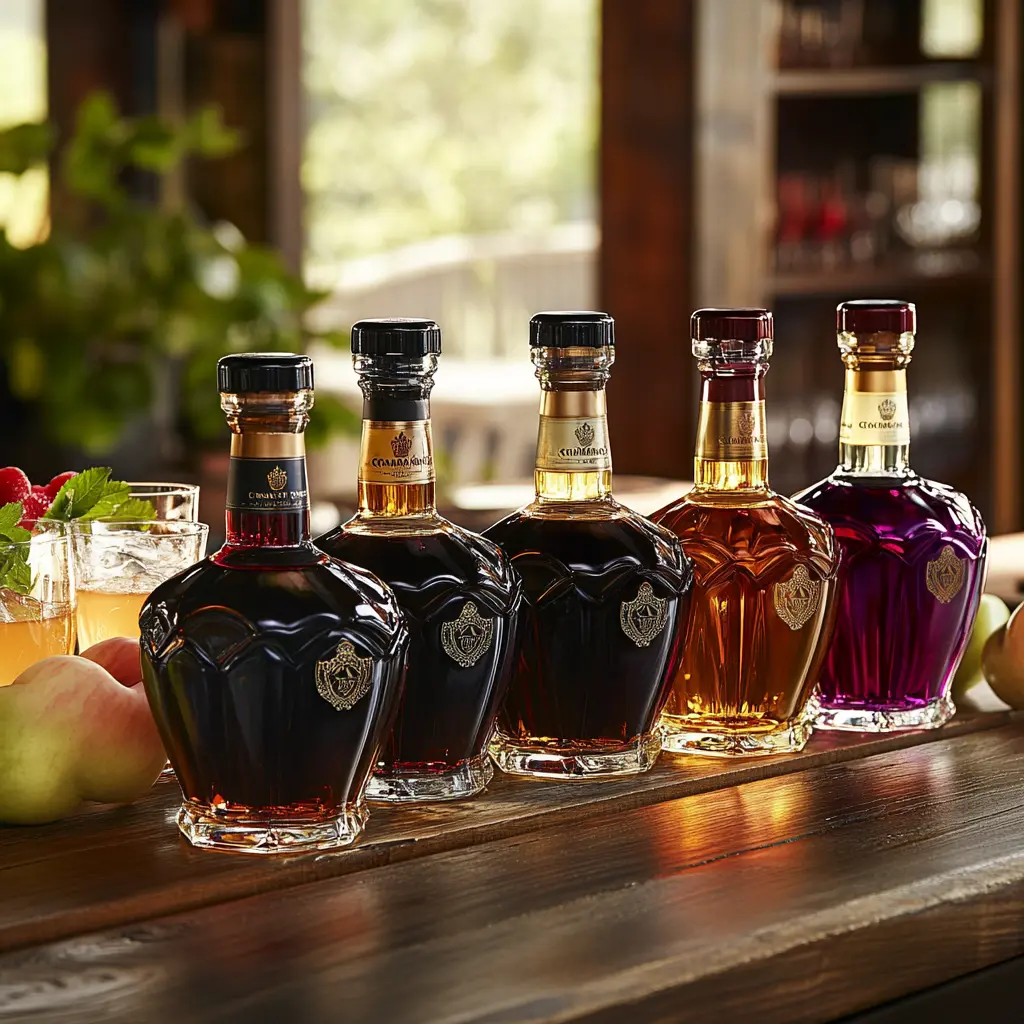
41 623
119 564
171 501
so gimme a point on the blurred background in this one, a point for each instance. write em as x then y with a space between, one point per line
182 178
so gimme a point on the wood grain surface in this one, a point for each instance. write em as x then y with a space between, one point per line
799 897
111 866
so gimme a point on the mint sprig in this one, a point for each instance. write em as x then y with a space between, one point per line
91 495
15 573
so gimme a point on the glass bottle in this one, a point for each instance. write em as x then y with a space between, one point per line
272 670
460 596
913 550
765 567
605 588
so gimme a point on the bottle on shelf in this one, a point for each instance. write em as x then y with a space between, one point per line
765 568
273 671
460 596
913 550
607 592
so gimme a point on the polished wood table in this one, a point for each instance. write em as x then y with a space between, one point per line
799 888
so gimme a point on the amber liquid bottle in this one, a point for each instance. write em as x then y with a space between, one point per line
765 567
459 594
273 671
605 589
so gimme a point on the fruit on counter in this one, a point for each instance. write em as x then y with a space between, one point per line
1002 660
74 729
992 613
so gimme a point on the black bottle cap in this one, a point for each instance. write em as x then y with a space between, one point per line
748 323
571 328
264 371
396 336
876 316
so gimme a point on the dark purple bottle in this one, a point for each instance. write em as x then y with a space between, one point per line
913 551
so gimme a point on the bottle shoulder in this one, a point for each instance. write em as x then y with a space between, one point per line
592 541
761 527
905 505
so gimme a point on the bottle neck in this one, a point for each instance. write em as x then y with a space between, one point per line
268 500
732 443
574 458
396 466
874 429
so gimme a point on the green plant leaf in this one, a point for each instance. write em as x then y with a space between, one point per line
79 494
25 146
134 510
115 493
15 573
10 516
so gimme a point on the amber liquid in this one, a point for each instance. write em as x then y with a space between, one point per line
24 643
103 614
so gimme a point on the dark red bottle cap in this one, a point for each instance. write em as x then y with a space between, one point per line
741 324
871 316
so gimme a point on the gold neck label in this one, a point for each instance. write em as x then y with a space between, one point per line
875 409
573 444
732 432
253 445
396 453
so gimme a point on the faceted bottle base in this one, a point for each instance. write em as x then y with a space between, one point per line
928 716
575 766
466 780
681 736
243 831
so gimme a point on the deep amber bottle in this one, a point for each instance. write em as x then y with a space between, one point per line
765 567
459 594
273 671
605 589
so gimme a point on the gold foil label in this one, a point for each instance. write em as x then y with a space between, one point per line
875 410
643 618
945 575
732 432
396 453
797 598
573 444
344 679
252 445
467 639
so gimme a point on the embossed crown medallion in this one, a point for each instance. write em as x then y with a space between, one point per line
887 409
277 479
401 445
584 434
468 638
643 618
343 679
745 423
945 575
797 598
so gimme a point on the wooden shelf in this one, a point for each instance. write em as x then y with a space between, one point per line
885 277
874 81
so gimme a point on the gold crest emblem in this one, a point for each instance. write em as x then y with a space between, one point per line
277 479
401 445
745 423
344 679
468 638
887 409
584 434
796 599
945 575
643 618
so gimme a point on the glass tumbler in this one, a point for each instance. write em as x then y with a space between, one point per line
171 501
40 623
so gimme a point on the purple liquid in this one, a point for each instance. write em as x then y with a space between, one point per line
896 645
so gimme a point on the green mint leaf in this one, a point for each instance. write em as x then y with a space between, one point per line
115 494
133 510
79 494
15 573
10 516
19 534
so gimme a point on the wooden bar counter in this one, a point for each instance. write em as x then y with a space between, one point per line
800 888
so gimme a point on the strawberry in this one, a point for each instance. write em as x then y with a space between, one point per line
36 505
14 485
57 483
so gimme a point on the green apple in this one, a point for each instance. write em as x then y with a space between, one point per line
70 732
1003 661
992 613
